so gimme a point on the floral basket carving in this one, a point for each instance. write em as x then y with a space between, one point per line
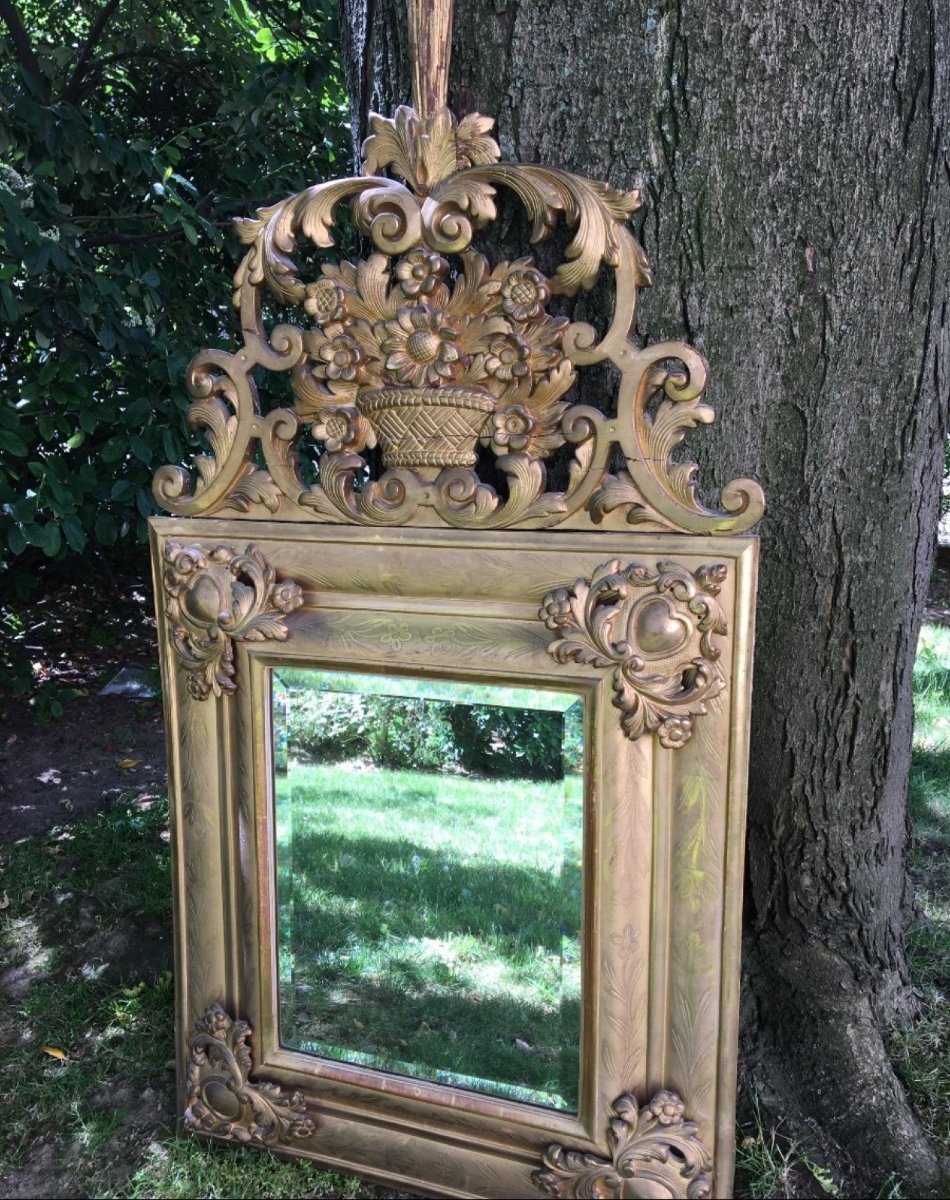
427 427
426 348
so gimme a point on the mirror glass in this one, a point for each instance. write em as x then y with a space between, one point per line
429 878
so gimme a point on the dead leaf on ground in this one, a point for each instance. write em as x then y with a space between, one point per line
128 763
55 1052
5 902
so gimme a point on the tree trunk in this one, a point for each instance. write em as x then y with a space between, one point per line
794 164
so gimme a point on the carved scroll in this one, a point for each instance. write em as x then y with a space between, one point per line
221 1099
216 598
656 630
655 1154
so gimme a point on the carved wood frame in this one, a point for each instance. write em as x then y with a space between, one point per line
665 810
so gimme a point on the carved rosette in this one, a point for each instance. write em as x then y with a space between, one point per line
221 1099
656 630
655 1154
216 598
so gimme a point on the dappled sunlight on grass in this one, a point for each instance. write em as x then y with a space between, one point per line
922 1052
454 939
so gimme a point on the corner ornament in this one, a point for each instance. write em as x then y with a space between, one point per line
655 1155
221 1100
656 630
217 597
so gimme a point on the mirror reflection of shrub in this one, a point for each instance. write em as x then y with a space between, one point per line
509 742
404 733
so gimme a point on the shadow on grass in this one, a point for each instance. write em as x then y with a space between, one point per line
414 957
404 890
929 794
409 1024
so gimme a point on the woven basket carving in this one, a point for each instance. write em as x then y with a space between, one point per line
427 427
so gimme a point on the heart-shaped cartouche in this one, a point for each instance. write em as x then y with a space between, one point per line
657 629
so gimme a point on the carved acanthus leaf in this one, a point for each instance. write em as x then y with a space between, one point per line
655 629
215 598
425 150
655 1154
223 1101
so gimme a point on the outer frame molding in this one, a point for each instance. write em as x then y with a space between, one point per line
662 858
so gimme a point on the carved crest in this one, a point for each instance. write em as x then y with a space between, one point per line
444 361
216 598
656 630
656 1154
221 1099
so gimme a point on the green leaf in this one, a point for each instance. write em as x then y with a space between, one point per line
15 539
13 443
123 489
74 533
140 448
106 529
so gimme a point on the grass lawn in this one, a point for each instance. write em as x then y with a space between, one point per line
433 920
84 1073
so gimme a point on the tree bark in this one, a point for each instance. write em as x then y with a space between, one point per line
794 161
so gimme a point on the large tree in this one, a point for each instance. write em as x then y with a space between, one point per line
798 214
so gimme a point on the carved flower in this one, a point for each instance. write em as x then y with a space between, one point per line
524 293
420 272
508 357
217 1020
667 1107
198 686
513 426
342 357
556 609
340 429
674 732
324 301
287 595
421 346
395 635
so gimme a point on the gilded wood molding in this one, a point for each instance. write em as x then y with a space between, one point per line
655 1154
222 1100
215 598
656 630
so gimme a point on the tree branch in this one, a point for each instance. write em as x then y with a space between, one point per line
114 238
22 46
95 32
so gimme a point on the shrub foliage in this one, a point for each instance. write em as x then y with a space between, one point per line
131 135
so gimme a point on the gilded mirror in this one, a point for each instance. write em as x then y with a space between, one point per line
457 758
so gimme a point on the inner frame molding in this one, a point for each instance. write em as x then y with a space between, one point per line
654 632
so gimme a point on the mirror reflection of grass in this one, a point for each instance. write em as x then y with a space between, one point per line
430 924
